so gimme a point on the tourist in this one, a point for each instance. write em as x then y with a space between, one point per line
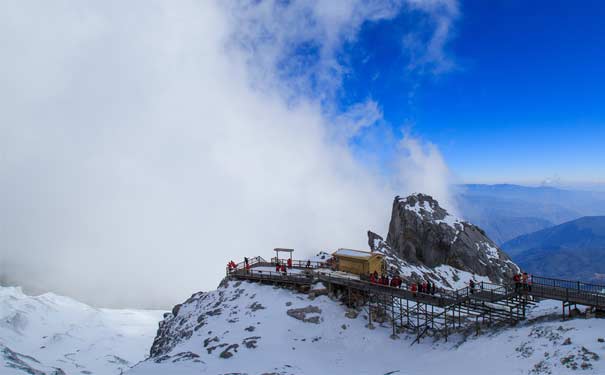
517 280
524 281
289 262
231 266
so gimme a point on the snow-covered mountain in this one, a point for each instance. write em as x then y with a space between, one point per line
249 328
51 334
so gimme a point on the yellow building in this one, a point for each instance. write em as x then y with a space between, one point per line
358 262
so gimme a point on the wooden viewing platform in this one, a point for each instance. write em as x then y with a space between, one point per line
440 312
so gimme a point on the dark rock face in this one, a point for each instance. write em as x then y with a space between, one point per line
165 340
421 232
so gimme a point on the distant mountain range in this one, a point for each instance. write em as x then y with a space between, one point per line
507 211
575 249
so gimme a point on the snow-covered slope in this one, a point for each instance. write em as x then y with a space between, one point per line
249 328
53 334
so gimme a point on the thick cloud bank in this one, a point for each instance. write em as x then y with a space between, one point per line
143 145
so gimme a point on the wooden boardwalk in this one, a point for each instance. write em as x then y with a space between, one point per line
442 311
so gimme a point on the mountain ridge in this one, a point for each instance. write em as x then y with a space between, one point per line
575 249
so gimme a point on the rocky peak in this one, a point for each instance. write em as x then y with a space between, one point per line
424 206
423 233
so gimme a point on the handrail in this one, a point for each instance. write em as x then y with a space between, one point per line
568 284
297 263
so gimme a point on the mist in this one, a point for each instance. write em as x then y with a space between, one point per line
143 145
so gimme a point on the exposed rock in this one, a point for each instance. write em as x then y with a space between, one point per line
374 240
185 356
301 314
250 342
209 340
227 352
256 306
423 233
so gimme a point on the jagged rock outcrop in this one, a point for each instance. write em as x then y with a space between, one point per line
423 233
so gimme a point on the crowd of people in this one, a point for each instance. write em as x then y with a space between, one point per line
383 279
396 281
522 282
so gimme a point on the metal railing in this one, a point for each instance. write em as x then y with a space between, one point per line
568 284
296 263
566 290
261 275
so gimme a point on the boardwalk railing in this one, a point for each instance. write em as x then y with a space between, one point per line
568 291
261 275
564 290
300 263
568 284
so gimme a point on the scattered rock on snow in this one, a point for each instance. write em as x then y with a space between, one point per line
301 314
250 342
256 306
227 352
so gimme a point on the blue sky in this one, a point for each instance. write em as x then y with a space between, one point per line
524 100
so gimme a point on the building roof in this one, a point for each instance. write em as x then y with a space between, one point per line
354 253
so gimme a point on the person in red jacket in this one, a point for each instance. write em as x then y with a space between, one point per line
398 281
289 262
517 280
372 279
283 269
414 289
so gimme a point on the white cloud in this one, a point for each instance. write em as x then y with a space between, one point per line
144 144
427 48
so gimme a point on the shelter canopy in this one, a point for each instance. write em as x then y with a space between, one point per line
283 250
